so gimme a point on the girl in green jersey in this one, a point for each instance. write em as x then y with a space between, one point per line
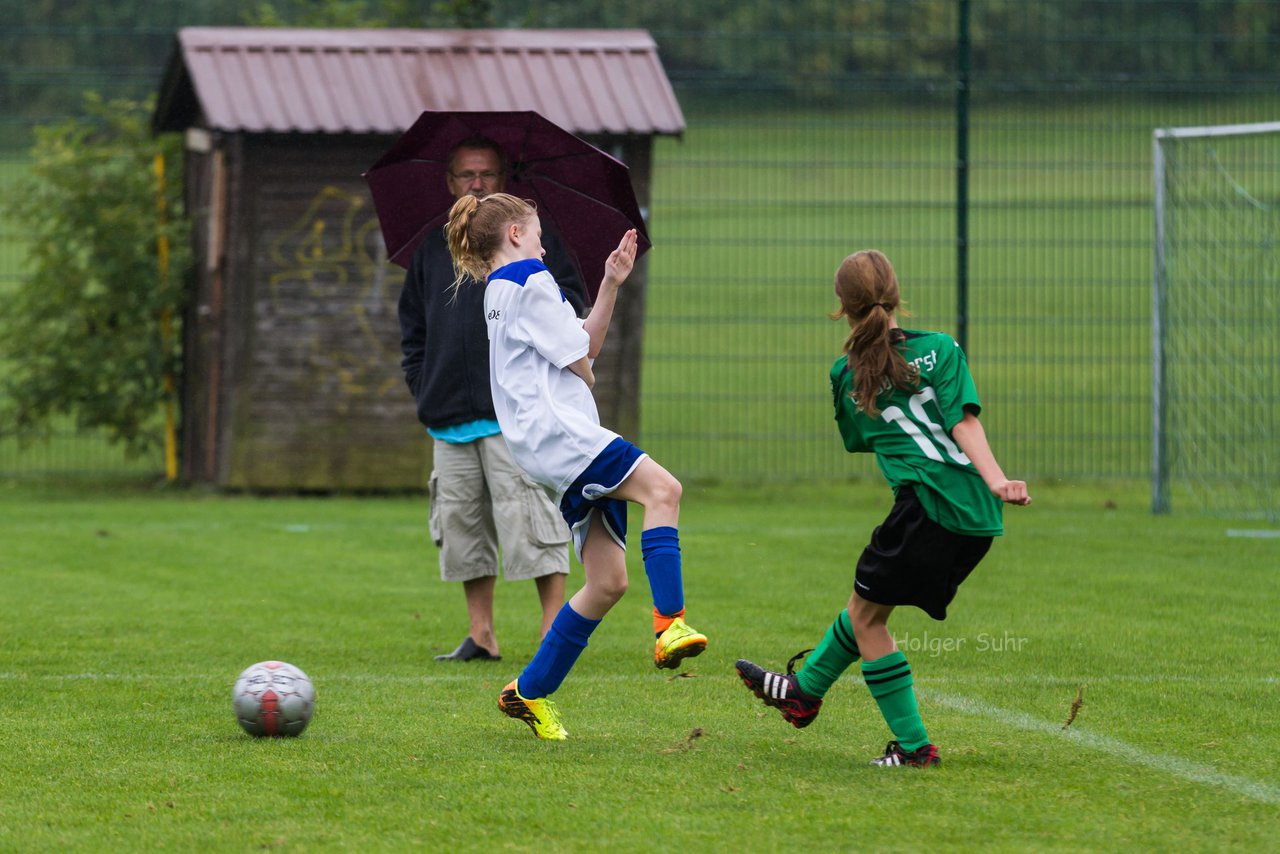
907 397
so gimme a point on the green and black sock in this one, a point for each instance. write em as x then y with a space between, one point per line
889 680
832 657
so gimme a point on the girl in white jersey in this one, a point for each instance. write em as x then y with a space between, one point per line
540 357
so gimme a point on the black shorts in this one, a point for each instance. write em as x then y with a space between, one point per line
912 560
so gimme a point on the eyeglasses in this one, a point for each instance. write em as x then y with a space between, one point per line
468 177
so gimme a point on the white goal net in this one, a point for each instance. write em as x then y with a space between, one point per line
1216 320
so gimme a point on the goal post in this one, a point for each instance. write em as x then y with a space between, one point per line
1216 320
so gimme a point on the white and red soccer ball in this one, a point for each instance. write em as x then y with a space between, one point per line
273 698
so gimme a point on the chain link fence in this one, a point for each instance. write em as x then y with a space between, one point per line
1008 177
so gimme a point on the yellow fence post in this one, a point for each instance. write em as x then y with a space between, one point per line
166 325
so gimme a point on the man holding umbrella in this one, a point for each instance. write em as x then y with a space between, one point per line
480 500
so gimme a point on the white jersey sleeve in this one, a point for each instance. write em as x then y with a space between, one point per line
545 321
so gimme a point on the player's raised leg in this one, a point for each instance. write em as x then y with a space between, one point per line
780 691
799 695
658 492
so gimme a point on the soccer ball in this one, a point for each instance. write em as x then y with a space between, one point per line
273 698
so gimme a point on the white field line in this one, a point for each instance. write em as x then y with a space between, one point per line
1195 772
465 672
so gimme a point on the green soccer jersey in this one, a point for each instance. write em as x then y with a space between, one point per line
911 437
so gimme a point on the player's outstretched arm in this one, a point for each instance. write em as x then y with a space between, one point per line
616 269
972 439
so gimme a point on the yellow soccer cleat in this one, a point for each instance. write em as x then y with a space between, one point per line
541 714
677 643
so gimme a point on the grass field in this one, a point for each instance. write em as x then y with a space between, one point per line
128 614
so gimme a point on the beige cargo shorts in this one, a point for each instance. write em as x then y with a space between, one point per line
481 502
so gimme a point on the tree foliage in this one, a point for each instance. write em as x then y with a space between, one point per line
807 43
373 13
91 332
812 48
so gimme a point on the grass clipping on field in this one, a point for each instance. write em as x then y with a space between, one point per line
1076 705
694 734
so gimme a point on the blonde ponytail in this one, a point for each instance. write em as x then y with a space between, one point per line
474 232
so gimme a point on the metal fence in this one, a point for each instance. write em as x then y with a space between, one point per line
1007 178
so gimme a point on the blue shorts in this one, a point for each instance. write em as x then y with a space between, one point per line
589 493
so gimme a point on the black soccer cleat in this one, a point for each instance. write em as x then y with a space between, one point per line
921 757
781 690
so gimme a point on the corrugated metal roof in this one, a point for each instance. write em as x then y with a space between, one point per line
378 81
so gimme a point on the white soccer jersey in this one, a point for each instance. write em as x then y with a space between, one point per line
546 411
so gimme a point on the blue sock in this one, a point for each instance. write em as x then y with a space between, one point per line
660 548
565 641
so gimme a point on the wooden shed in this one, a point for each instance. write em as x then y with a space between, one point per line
292 362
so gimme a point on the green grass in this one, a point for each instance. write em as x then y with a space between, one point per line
128 614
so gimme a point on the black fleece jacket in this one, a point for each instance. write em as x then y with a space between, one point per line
445 342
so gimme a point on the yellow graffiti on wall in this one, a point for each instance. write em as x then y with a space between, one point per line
331 301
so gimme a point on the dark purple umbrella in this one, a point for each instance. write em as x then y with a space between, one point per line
581 192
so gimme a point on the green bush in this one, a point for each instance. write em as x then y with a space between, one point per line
92 331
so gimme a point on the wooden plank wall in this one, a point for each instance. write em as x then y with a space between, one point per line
316 398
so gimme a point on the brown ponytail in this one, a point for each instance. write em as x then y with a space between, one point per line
868 291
